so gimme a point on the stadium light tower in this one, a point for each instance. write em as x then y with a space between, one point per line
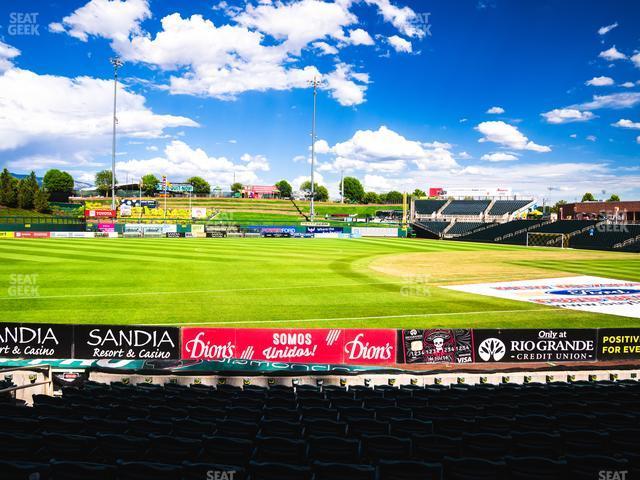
117 63
315 83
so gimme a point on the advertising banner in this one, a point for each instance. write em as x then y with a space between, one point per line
216 234
374 232
586 293
363 347
100 213
531 345
437 346
175 234
197 228
127 342
32 234
6 234
106 227
22 340
618 343
325 229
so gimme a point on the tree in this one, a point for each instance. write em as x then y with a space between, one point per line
58 184
41 201
236 187
371 197
393 197
320 193
284 188
103 182
353 190
419 193
8 189
149 184
558 204
200 185
614 198
588 197
27 188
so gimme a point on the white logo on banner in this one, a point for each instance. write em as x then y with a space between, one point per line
492 348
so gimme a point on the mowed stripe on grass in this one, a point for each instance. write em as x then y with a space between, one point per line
268 282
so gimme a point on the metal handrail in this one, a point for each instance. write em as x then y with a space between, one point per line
22 387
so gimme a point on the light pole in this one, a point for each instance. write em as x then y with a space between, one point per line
315 83
117 63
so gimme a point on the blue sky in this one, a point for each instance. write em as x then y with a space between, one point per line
539 96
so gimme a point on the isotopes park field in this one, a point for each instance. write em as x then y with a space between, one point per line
289 282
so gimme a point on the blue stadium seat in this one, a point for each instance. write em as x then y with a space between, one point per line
343 471
333 449
278 471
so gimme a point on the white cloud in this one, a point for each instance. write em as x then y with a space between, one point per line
606 29
399 44
638 139
387 150
298 23
508 136
628 84
496 110
591 138
612 54
112 19
566 115
360 37
600 81
636 59
7 53
574 135
322 147
464 156
47 107
404 19
499 157
325 48
180 161
346 86
625 123
615 101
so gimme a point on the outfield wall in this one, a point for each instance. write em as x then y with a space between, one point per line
356 347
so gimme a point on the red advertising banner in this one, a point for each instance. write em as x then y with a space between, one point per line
32 235
322 345
100 213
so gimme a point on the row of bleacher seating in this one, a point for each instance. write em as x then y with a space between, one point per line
502 207
497 231
462 432
466 207
605 237
428 207
561 226
433 226
460 228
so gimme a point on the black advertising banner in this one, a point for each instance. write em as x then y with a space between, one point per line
35 340
127 342
437 346
618 343
532 345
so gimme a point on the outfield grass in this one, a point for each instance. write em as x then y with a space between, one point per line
290 282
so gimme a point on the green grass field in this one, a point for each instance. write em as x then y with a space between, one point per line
290 282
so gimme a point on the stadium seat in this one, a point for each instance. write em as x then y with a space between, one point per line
343 471
536 468
485 445
406 427
60 446
583 467
322 428
539 444
408 470
367 426
465 468
187 427
143 427
433 447
225 450
236 429
379 447
148 471
280 450
19 425
278 471
16 470
333 449
70 470
280 428
112 447
170 449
